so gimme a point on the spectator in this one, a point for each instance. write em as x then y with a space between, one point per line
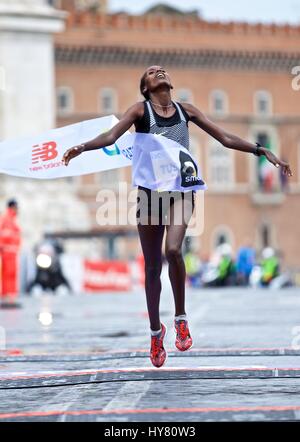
192 265
226 267
10 240
269 265
245 263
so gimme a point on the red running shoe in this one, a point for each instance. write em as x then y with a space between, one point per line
183 338
158 354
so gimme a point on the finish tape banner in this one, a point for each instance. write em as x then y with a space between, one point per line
158 162
162 164
41 156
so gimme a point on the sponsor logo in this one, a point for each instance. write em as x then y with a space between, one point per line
112 150
44 152
188 171
158 135
128 152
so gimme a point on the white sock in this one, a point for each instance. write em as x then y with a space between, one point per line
156 332
180 318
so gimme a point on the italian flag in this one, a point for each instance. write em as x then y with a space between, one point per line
266 172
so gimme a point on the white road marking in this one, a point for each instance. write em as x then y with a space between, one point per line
57 402
129 395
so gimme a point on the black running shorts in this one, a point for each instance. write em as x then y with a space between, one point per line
156 205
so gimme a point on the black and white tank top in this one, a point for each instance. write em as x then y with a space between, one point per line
163 162
174 127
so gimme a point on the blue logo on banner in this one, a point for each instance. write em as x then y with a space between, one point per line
113 150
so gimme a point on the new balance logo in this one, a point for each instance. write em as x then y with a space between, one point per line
45 152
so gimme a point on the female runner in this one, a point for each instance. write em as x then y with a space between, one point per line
158 114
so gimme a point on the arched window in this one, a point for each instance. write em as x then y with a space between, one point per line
108 101
222 234
220 166
218 102
64 100
265 235
263 103
184 96
266 173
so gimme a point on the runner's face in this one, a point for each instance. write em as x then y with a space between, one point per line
156 76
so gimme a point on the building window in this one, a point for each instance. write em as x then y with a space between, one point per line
108 101
184 96
222 234
221 238
218 102
265 235
266 172
263 103
191 244
65 100
220 166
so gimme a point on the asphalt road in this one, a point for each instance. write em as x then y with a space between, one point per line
91 363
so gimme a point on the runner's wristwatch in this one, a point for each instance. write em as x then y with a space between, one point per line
258 152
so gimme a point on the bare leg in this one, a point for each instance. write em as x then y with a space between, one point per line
151 237
174 239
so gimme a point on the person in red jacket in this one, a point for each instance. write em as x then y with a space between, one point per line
10 240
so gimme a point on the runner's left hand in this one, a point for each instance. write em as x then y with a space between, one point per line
277 162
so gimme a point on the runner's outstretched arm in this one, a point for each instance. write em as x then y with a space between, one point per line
107 138
232 141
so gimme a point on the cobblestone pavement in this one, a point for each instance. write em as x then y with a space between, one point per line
91 363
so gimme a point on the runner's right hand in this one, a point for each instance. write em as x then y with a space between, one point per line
72 153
